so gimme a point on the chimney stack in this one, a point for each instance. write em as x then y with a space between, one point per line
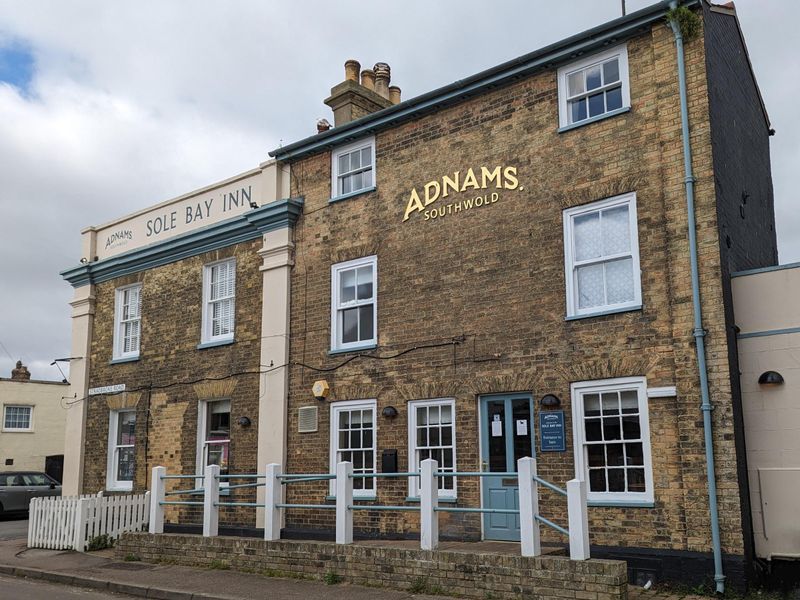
361 93
21 373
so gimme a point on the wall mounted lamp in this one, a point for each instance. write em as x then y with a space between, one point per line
770 378
390 412
244 421
549 401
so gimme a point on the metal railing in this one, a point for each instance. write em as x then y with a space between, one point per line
274 481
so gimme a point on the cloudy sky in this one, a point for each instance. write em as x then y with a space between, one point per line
109 107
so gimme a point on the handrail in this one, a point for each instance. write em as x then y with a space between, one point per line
182 476
549 523
179 492
550 486
282 505
181 503
378 507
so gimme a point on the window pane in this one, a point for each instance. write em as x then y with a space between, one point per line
433 436
636 480
591 405
347 184
355 419
619 281
447 436
593 78
593 433
446 414
365 282
365 322
126 429
577 109
611 428
367 438
217 454
125 464
355 160
615 455
344 440
433 415
344 163
347 286
630 401
614 99
575 83
366 156
357 182
611 71
344 419
350 325
630 428
588 236
367 181
634 454
616 230
597 480
422 437
616 480
366 416
595 455
597 105
610 403
590 286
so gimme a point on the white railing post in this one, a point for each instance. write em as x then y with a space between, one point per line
157 487
428 502
274 492
578 520
210 501
528 507
79 536
344 500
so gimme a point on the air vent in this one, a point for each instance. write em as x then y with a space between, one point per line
307 419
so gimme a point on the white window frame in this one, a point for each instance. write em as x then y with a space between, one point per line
413 467
578 390
336 309
570 266
336 408
18 429
119 325
207 326
112 482
202 420
359 145
621 52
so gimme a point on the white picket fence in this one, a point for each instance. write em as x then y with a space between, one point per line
72 522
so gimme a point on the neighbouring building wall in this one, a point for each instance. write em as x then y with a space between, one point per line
495 275
769 340
740 133
21 448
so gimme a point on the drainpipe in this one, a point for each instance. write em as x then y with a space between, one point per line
698 332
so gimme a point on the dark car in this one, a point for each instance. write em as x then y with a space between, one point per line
18 487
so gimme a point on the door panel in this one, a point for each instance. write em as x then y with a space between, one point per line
506 435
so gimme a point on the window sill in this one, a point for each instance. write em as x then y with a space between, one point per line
602 313
4 430
117 490
608 115
621 503
352 194
336 351
355 498
127 359
214 344
445 500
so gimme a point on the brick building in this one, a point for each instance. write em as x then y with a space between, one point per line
498 268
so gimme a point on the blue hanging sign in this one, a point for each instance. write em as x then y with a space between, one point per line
551 429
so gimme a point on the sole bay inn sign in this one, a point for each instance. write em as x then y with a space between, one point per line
181 215
461 183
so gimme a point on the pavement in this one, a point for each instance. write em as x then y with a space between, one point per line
102 572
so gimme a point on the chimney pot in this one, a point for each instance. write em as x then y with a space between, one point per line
351 69
383 76
368 79
394 94
21 373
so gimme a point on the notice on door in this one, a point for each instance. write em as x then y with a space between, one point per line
522 427
497 426
551 429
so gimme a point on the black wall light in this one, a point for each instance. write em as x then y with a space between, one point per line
244 421
770 378
550 401
390 412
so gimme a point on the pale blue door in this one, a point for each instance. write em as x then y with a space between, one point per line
506 435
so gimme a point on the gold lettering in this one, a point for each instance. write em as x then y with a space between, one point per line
428 187
495 197
489 176
511 179
470 181
450 183
414 203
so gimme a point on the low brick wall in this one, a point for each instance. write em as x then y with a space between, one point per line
464 574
